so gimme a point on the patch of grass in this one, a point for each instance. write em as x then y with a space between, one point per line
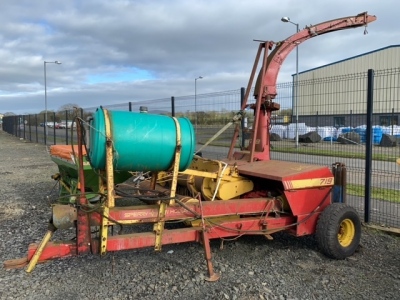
337 153
376 192
319 152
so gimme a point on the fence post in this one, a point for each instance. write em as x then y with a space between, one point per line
25 133
30 128
45 129
15 126
23 127
351 118
18 127
392 120
368 146
36 129
242 92
54 128
66 127
173 106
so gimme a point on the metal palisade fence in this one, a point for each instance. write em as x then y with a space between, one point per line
352 119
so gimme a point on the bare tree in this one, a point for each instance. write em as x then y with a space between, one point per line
68 106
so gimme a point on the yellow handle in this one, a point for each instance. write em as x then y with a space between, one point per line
38 252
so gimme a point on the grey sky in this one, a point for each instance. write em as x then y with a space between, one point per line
119 51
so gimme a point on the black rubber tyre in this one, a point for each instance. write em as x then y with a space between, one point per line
338 231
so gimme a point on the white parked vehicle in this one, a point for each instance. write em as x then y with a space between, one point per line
53 124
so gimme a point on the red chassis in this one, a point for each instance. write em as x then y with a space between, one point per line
252 216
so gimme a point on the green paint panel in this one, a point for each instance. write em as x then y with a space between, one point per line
69 174
141 141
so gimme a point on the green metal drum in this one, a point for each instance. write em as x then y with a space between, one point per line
141 142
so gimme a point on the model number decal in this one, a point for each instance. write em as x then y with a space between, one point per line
308 183
326 181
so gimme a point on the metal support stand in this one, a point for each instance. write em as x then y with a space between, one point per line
83 235
212 276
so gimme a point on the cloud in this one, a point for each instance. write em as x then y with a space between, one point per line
120 51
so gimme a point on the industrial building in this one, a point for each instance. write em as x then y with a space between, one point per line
336 94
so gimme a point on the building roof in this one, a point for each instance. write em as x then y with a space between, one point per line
350 58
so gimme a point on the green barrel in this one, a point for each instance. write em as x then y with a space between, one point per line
141 142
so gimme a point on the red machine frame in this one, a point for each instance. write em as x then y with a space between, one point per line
255 213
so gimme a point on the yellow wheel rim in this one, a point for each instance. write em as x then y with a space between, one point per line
346 232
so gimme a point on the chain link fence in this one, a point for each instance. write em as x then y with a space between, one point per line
331 127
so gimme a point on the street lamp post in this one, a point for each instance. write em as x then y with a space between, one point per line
287 20
195 101
45 92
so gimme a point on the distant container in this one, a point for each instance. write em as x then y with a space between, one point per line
391 130
376 133
347 129
330 138
301 129
342 130
361 132
279 130
327 131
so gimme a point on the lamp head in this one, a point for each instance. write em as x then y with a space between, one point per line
285 19
57 62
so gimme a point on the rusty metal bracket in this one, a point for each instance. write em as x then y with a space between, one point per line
110 202
212 276
159 226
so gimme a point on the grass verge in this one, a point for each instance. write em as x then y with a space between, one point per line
330 152
320 152
376 192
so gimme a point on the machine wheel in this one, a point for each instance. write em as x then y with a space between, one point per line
338 231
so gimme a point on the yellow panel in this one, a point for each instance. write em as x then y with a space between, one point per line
229 188
232 189
200 173
308 183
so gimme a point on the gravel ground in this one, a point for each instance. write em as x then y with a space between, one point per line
250 267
